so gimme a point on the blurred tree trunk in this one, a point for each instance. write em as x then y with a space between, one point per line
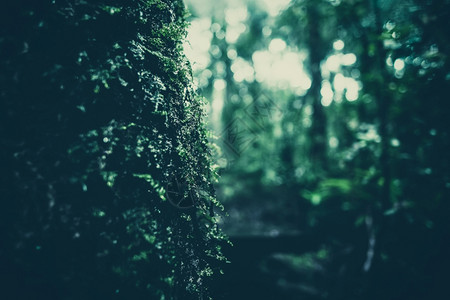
318 133
377 86
383 100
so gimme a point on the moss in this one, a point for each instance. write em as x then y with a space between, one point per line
125 124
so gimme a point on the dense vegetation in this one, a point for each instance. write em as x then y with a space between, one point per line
345 164
331 134
105 174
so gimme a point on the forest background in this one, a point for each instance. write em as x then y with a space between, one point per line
331 120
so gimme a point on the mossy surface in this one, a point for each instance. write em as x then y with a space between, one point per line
106 177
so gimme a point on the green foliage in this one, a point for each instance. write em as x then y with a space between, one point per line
98 117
